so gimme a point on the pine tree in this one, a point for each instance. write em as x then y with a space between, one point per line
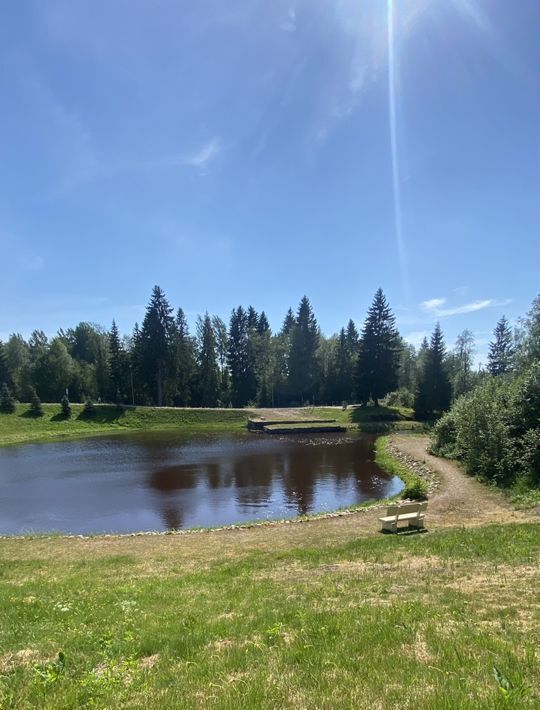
7 403
434 390
156 343
303 369
241 359
501 350
288 323
36 408
377 367
185 361
252 318
89 409
5 374
343 369
118 365
65 407
353 339
208 379
263 325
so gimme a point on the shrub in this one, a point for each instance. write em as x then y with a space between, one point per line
495 429
89 408
66 407
35 409
415 490
7 403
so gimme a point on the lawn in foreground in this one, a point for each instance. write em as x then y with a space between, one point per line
212 620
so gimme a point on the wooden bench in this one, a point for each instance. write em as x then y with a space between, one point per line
411 513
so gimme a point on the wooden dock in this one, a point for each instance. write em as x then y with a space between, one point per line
295 426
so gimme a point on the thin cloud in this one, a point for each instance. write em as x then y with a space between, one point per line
433 306
206 154
290 23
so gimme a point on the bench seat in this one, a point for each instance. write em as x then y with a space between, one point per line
411 513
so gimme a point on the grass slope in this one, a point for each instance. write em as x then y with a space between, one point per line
223 621
19 428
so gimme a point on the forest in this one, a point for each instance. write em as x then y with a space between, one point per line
243 362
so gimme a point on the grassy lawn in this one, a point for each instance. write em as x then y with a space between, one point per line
286 617
18 428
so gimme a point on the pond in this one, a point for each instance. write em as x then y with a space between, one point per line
168 480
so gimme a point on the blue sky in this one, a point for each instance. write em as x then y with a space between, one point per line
253 151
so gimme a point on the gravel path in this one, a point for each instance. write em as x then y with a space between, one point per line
459 499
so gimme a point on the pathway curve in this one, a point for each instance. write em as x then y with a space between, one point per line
459 499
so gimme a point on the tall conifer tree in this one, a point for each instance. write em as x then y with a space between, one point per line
434 390
302 360
208 379
378 357
501 349
156 343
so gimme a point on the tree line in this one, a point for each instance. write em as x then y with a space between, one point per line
243 362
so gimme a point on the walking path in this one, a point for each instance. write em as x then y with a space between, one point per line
459 499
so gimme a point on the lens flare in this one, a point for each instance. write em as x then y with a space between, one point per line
398 222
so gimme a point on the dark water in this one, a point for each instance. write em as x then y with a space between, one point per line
165 480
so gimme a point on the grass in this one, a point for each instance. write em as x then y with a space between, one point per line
19 428
310 616
415 486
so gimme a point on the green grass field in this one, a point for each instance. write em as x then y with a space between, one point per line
295 616
19 428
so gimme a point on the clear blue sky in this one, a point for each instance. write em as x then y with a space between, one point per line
253 151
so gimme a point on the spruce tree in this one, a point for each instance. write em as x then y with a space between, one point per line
343 369
353 338
118 365
263 325
501 349
157 353
5 374
208 379
252 318
303 370
434 390
65 407
240 359
7 403
288 323
36 408
377 366
185 364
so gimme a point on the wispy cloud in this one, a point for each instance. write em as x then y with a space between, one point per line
290 23
433 306
206 154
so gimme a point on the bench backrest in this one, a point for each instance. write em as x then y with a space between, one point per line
398 510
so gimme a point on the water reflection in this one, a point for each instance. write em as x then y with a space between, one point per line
165 481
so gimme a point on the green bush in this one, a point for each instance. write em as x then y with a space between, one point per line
89 408
66 407
495 429
7 403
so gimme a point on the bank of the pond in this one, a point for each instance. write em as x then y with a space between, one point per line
19 427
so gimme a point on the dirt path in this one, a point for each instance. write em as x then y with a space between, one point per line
459 499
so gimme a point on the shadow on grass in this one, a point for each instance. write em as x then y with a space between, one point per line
104 414
405 532
30 415
360 415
